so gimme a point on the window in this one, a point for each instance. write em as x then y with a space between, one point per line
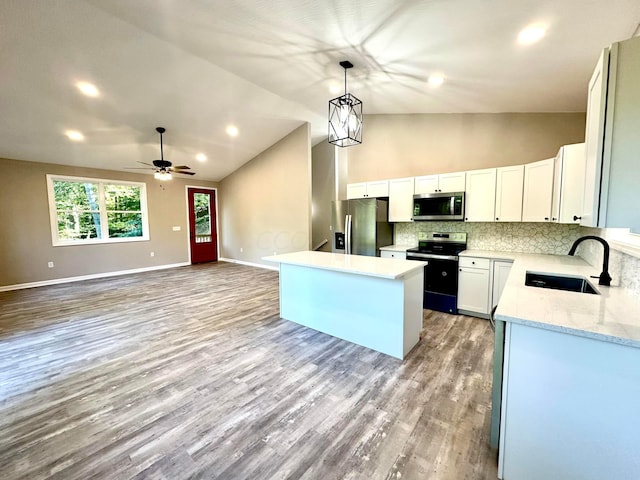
89 210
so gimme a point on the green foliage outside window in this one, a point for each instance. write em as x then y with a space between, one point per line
84 209
201 207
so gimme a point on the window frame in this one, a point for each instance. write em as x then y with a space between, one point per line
104 221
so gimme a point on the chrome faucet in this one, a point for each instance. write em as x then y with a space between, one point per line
605 278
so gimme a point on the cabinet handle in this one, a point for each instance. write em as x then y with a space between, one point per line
546 218
575 217
473 263
554 219
460 269
466 218
497 218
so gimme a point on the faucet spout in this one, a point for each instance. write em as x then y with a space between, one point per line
605 278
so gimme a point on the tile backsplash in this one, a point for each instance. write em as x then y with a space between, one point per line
549 238
624 269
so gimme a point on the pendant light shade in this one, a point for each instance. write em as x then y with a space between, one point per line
345 116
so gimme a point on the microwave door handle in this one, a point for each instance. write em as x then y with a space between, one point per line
452 205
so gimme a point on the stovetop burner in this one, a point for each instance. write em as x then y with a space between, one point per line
436 243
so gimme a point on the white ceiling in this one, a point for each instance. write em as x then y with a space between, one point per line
195 66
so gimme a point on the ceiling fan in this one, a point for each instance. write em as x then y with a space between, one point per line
164 168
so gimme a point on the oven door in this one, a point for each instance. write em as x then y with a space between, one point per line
440 281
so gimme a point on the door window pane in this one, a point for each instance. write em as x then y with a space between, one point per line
202 213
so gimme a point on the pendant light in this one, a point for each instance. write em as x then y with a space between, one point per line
345 116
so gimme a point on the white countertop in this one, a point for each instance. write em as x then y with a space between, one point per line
612 316
391 268
493 255
398 248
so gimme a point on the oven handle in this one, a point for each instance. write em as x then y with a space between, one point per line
420 256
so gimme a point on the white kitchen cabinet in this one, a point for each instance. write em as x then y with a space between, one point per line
538 191
509 190
569 407
393 254
612 141
445 182
480 201
401 199
501 270
378 188
474 282
568 184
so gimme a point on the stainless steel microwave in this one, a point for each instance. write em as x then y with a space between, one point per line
438 206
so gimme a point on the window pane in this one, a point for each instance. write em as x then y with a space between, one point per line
75 195
122 197
78 226
201 204
124 224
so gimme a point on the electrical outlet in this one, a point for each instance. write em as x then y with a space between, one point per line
50 264
152 254
176 228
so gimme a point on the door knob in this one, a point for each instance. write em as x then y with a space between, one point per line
575 217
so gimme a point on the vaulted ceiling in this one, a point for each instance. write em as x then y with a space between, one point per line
266 66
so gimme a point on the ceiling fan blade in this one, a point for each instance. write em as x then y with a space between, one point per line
184 173
144 163
181 167
137 168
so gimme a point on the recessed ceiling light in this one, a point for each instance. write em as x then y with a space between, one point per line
88 89
232 130
435 80
201 157
74 135
531 34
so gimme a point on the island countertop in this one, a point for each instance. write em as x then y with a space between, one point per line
612 316
390 268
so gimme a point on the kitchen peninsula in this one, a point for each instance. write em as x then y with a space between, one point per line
371 301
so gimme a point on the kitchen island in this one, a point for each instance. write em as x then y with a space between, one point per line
571 382
371 301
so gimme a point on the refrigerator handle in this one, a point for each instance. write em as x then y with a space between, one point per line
347 223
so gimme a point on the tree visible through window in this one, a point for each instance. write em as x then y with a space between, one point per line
91 211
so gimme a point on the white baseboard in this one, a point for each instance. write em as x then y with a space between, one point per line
250 264
19 286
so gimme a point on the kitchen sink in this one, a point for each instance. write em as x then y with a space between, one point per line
559 282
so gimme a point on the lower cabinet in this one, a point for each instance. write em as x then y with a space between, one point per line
474 280
480 284
393 254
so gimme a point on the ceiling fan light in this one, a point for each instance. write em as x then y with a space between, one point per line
162 175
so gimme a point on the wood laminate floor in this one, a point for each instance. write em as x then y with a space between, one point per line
190 373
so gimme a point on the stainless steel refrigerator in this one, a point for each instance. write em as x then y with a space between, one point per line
361 226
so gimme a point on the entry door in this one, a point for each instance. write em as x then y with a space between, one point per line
202 225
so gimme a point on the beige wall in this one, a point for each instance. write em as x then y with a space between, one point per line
397 146
25 232
265 205
323 192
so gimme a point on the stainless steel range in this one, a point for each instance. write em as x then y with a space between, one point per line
440 251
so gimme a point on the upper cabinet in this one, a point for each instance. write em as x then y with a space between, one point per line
401 199
612 141
509 186
480 201
568 184
538 191
445 182
368 189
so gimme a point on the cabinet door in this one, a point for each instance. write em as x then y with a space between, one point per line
571 183
480 198
378 189
538 191
594 137
401 199
509 185
473 290
356 190
452 182
500 274
426 184
557 183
